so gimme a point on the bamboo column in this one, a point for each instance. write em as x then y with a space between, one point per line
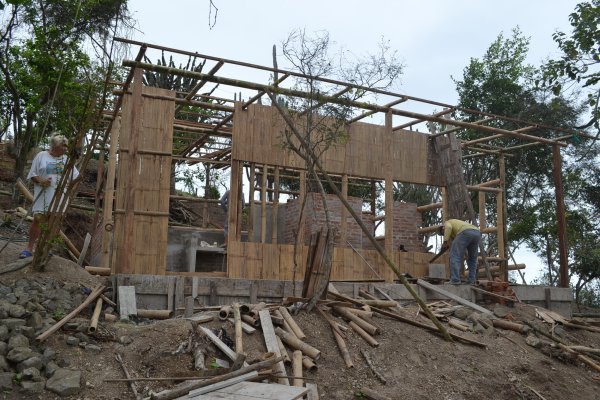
344 213
275 207
560 216
502 176
389 189
251 202
109 195
263 205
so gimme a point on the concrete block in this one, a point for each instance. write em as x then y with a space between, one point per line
437 271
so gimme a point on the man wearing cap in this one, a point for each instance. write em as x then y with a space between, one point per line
463 236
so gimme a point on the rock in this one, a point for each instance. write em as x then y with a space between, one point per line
63 362
109 310
31 374
72 326
83 337
19 354
3 333
462 312
559 331
12 323
6 381
3 348
65 382
93 348
17 340
72 341
33 387
11 298
49 354
533 341
35 321
4 290
4 367
25 331
125 340
51 368
501 311
33 362
3 314
17 311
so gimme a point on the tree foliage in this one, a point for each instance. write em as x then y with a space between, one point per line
579 62
502 83
49 78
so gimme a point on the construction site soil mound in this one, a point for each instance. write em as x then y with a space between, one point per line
415 363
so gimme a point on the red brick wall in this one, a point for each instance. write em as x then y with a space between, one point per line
407 220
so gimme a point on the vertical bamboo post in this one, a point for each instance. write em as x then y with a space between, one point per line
560 216
500 236
482 223
389 190
301 199
238 328
344 213
263 204
275 207
502 176
251 204
109 195
445 205
234 195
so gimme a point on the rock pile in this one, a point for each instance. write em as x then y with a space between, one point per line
29 307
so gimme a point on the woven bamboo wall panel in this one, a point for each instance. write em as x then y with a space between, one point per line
249 260
148 199
258 136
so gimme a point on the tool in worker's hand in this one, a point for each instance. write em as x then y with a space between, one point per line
444 249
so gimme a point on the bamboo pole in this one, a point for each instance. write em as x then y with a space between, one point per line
343 349
379 303
270 89
408 320
297 344
363 227
361 313
371 329
98 270
154 314
95 316
96 292
308 363
225 312
182 390
297 369
293 325
239 347
283 351
368 338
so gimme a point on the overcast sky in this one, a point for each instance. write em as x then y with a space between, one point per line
435 39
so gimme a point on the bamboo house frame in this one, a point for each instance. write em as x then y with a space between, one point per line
140 129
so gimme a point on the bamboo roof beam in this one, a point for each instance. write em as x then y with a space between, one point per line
261 93
452 130
369 113
320 103
342 101
418 121
336 82
194 103
493 137
199 85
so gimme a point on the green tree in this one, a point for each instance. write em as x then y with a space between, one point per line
579 63
502 83
49 80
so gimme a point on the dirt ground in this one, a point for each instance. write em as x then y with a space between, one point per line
416 364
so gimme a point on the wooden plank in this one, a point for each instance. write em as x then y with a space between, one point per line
313 391
179 297
127 305
232 355
171 294
84 249
452 296
271 343
255 391
198 393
